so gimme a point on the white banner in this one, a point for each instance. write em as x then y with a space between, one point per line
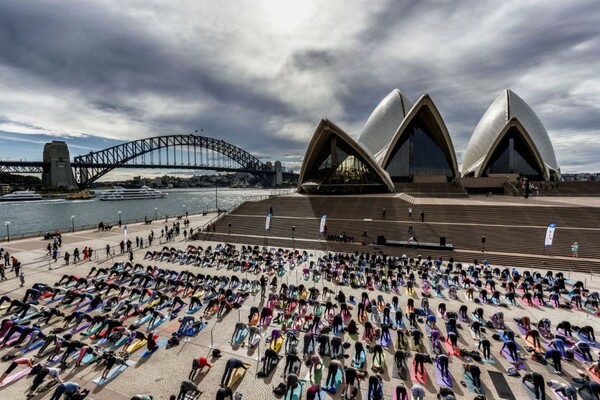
323 223
125 233
268 222
549 234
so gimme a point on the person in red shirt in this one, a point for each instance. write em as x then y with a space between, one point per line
198 364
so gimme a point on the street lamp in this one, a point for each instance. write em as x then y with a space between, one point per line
72 223
216 196
119 219
7 223
155 213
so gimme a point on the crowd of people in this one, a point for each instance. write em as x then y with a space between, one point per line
343 320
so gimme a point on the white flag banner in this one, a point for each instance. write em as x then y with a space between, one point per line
549 234
268 222
322 225
125 233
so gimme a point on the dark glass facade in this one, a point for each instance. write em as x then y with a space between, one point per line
513 155
339 169
420 151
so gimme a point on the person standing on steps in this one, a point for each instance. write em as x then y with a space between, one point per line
409 212
422 216
575 249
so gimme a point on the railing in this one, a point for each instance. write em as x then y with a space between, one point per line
513 187
87 227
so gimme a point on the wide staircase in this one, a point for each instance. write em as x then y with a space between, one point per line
431 189
573 189
514 234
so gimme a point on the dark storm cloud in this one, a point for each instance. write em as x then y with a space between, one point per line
132 70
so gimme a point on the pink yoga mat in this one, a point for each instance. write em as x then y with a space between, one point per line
15 377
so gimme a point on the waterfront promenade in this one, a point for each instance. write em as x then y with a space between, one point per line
161 374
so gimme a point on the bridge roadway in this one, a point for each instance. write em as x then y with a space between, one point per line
161 374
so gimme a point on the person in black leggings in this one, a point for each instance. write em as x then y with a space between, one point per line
420 361
475 373
556 356
442 364
485 347
539 386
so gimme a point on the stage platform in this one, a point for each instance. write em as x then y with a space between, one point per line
419 245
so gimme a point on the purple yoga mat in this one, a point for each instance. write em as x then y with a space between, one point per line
519 364
443 380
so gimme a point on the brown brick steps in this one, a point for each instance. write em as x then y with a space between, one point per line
463 226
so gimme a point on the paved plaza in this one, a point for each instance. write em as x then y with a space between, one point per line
161 373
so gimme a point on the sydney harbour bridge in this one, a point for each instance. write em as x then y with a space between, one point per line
191 152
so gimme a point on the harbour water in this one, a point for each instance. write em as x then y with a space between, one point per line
50 215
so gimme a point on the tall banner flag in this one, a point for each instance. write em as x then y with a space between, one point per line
322 225
125 233
550 234
268 222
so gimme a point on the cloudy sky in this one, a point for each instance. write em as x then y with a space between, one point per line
261 74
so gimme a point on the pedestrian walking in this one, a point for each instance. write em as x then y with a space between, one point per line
409 212
3 272
422 216
22 278
130 256
107 250
16 264
67 257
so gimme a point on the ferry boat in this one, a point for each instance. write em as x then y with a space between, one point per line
21 195
119 193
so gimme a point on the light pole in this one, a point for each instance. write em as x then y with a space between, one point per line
216 196
155 213
72 223
119 219
7 224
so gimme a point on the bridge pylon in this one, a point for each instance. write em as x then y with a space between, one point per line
57 166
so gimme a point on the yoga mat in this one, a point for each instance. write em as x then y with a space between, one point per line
471 385
530 391
517 363
15 377
34 346
452 351
396 373
113 373
502 388
558 395
148 353
443 380
418 378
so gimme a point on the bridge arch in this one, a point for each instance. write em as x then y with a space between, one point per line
225 157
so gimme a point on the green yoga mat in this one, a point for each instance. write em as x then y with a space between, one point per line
501 385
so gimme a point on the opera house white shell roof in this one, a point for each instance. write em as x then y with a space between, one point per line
507 108
384 122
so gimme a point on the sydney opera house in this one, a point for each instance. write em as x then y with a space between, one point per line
409 142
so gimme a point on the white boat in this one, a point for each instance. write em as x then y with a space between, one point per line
143 193
21 195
